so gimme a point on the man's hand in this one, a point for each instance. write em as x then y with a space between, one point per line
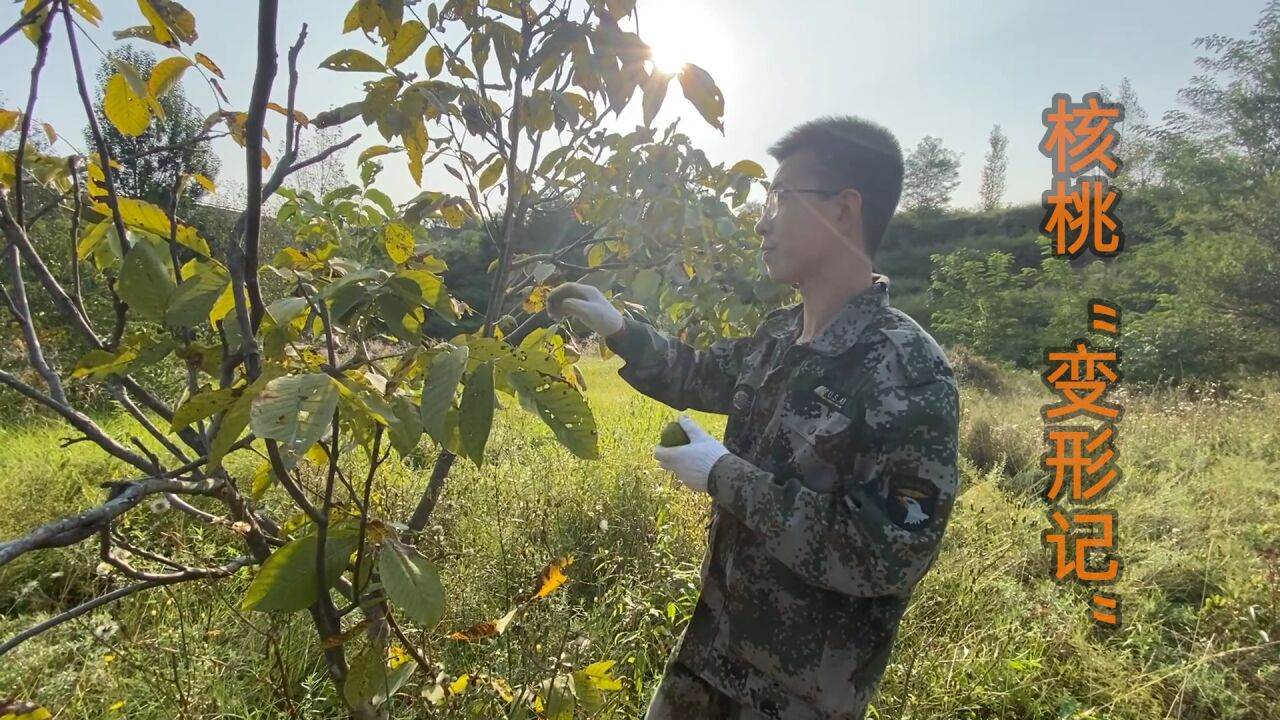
691 463
586 303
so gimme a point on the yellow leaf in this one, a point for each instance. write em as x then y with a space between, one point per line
171 23
158 25
453 215
552 577
749 167
124 108
32 29
492 174
9 120
166 74
408 38
537 299
298 116
485 629
49 132
209 65
398 241
459 685
223 307
352 21
352 61
435 60
87 10
116 705
205 182
266 159
373 151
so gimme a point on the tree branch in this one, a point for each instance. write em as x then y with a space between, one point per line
268 10
81 422
124 495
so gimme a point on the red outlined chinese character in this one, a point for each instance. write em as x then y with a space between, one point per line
1080 136
1082 376
1082 215
1075 559
1081 455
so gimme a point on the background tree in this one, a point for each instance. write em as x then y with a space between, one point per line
991 191
931 175
150 163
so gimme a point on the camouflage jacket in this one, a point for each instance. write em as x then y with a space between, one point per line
829 508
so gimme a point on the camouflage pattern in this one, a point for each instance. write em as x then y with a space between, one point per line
683 695
828 510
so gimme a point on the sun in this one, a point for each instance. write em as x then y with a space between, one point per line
677 33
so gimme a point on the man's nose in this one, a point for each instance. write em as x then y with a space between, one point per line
764 226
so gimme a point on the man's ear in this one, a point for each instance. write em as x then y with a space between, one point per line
851 206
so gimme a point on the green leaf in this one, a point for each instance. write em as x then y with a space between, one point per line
287 580
507 358
655 91
644 288
194 299
398 240
382 201
352 61
236 418
295 410
408 38
406 428
412 583
562 408
428 288
435 60
371 681
553 158
475 418
204 405
492 174
700 89
437 392
146 282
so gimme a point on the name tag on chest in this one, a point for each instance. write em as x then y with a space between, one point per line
833 399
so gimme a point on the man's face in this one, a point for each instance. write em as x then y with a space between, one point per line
808 229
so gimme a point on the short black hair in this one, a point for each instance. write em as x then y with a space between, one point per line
853 153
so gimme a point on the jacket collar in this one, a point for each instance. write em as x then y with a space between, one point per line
843 330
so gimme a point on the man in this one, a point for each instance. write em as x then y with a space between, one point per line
837 474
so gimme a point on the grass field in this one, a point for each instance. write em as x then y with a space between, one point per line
989 634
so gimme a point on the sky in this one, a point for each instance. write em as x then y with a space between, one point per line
919 67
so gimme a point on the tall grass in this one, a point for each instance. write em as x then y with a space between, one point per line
988 635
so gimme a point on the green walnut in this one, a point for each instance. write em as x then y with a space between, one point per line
673 435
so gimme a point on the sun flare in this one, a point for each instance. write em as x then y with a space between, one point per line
678 33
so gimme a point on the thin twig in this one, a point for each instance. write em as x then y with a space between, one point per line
74 259
42 52
104 153
75 612
26 19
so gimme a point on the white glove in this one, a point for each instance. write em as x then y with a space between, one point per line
691 463
586 303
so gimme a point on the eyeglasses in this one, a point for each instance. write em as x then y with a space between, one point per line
775 193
